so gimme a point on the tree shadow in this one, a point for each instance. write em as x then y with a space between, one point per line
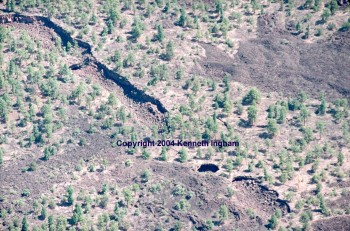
264 135
319 22
244 123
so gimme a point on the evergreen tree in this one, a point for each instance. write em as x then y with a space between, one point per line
48 151
320 126
43 213
273 222
317 5
340 159
253 97
282 115
209 225
136 32
1 155
112 99
318 188
169 52
183 18
77 214
25 225
322 108
61 223
183 155
70 198
223 213
145 154
10 5
137 28
252 114
218 6
146 175
160 33
4 112
324 209
272 127
129 61
167 7
110 26
307 32
127 196
326 14
304 114
308 134
163 155
122 114
283 177
51 224
227 104
298 27
333 6
305 217
3 33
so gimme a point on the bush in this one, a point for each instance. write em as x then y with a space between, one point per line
273 222
25 193
229 43
169 53
252 114
272 127
253 97
346 26
32 167
326 14
1 155
331 26
145 154
146 175
182 205
103 201
49 151
183 155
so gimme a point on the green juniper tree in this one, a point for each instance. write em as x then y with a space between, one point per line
163 154
322 108
160 33
326 14
169 51
333 6
43 213
304 114
51 224
127 196
252 114
183 155
272 127
10 5
1 155
324 209
253 97
340 159
223 213
320 126
25 225
146 175
77 214
273 222
145 154
137 28
183 18
70 198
